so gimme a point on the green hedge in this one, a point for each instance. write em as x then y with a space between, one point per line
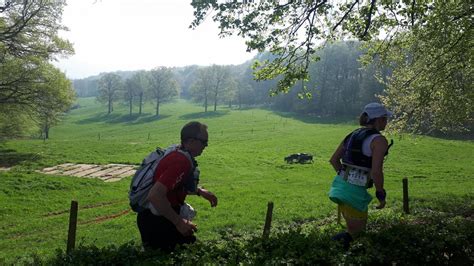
426 238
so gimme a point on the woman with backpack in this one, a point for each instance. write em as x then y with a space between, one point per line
358 161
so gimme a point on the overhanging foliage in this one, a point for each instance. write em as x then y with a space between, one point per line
294 30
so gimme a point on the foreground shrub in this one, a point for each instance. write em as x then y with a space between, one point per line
436 238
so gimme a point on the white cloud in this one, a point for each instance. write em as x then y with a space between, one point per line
110 35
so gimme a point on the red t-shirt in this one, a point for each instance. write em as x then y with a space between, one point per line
171 172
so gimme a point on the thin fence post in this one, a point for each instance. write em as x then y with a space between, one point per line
148 136
406 207
99 136
268 220
71 237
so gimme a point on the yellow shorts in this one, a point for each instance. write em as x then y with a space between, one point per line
350 213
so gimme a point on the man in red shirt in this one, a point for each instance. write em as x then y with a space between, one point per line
163 227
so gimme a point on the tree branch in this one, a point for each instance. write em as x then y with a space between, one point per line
345 15
369 18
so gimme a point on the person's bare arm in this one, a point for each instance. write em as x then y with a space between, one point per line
208 195
157 197
379 146
336 158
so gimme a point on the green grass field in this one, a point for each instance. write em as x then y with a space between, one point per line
243 166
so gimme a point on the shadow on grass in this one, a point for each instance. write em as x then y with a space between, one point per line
122 118
469 135
315 119
9 157
149 118
285 166
208 114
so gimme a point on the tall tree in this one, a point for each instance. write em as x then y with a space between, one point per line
201 88
163 86
211 85
431 88
47 99
293 31
56 98
141 82
231 91
30 28
129 93
109 86
219 79
28 41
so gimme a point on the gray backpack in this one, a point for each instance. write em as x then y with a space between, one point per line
142 180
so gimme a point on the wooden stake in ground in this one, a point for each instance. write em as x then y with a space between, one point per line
71 237
268 220
406 208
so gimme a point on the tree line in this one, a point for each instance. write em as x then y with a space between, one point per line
158 85
340 85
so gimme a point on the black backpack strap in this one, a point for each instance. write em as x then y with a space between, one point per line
389 146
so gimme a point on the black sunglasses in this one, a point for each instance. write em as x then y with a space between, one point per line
203 141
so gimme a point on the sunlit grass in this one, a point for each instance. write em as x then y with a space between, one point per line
243 166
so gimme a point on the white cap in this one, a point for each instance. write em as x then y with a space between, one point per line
375 110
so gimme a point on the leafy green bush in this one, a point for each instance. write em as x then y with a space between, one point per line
430 238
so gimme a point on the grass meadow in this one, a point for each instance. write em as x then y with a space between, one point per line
243 166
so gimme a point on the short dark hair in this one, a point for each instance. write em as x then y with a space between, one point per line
192 130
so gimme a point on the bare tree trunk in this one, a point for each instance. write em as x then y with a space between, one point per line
141 102
240 101
215 101
205 100
157 106
130 106
110 106
46 131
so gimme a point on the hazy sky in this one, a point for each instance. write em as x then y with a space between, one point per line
110 35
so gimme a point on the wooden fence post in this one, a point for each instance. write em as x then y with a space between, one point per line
268 220
71 237
406 207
